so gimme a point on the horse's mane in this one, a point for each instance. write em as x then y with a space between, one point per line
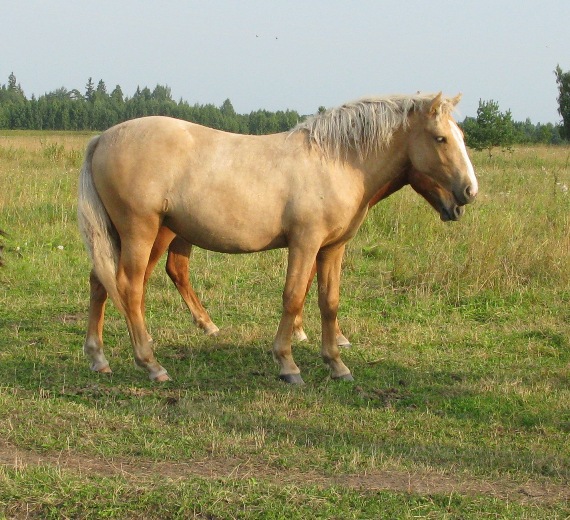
364 125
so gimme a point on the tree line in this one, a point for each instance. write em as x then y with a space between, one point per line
98 109
95 108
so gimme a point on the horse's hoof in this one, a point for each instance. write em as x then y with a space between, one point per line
300 335
159 376
344 377
292 379
342 341
102 368
212 330
162 378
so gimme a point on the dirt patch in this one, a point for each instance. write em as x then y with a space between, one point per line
215 468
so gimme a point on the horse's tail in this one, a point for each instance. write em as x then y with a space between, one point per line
98 232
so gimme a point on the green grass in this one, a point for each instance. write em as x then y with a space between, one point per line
49 495
461 357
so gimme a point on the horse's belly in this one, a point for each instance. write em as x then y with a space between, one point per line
226 235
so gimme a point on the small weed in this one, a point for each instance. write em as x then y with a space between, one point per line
54 152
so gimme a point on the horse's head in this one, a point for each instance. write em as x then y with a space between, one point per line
442 171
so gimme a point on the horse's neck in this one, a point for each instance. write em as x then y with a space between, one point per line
391 187
385 171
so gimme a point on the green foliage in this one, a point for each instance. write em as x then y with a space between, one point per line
491 128
89 90
529 133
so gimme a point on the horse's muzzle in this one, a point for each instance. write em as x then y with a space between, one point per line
465 196
453 213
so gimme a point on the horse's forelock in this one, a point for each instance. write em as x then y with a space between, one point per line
364 125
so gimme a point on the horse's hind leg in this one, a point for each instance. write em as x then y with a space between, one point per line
298 331
341 339
177 267
93 346
133 262
161 242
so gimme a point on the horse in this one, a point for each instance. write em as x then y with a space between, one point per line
178 264
307 190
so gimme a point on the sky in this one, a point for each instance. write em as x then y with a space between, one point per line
294 54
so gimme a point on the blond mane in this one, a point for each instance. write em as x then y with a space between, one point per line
364 125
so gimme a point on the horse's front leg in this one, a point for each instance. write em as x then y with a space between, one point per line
298 331
329 263
298 271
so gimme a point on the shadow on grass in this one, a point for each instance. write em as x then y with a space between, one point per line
214 365
392 396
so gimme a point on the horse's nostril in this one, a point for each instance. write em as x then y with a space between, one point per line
469 193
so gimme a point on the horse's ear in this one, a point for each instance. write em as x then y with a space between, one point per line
456 99
435 106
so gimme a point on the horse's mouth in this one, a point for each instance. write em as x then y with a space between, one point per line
452 213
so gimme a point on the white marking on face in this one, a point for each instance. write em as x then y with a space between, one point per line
461 145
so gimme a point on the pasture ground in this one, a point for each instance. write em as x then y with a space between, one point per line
460 408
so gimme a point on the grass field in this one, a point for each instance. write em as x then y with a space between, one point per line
461 355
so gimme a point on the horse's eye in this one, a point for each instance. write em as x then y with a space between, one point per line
441 139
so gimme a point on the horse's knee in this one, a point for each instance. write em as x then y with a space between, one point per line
328 305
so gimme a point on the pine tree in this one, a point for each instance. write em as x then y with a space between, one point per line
12 83
563 82
89 90
101 88
15 92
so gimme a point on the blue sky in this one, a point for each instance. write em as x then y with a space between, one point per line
294 54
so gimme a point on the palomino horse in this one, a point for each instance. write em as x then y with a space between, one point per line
178 263
308 190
